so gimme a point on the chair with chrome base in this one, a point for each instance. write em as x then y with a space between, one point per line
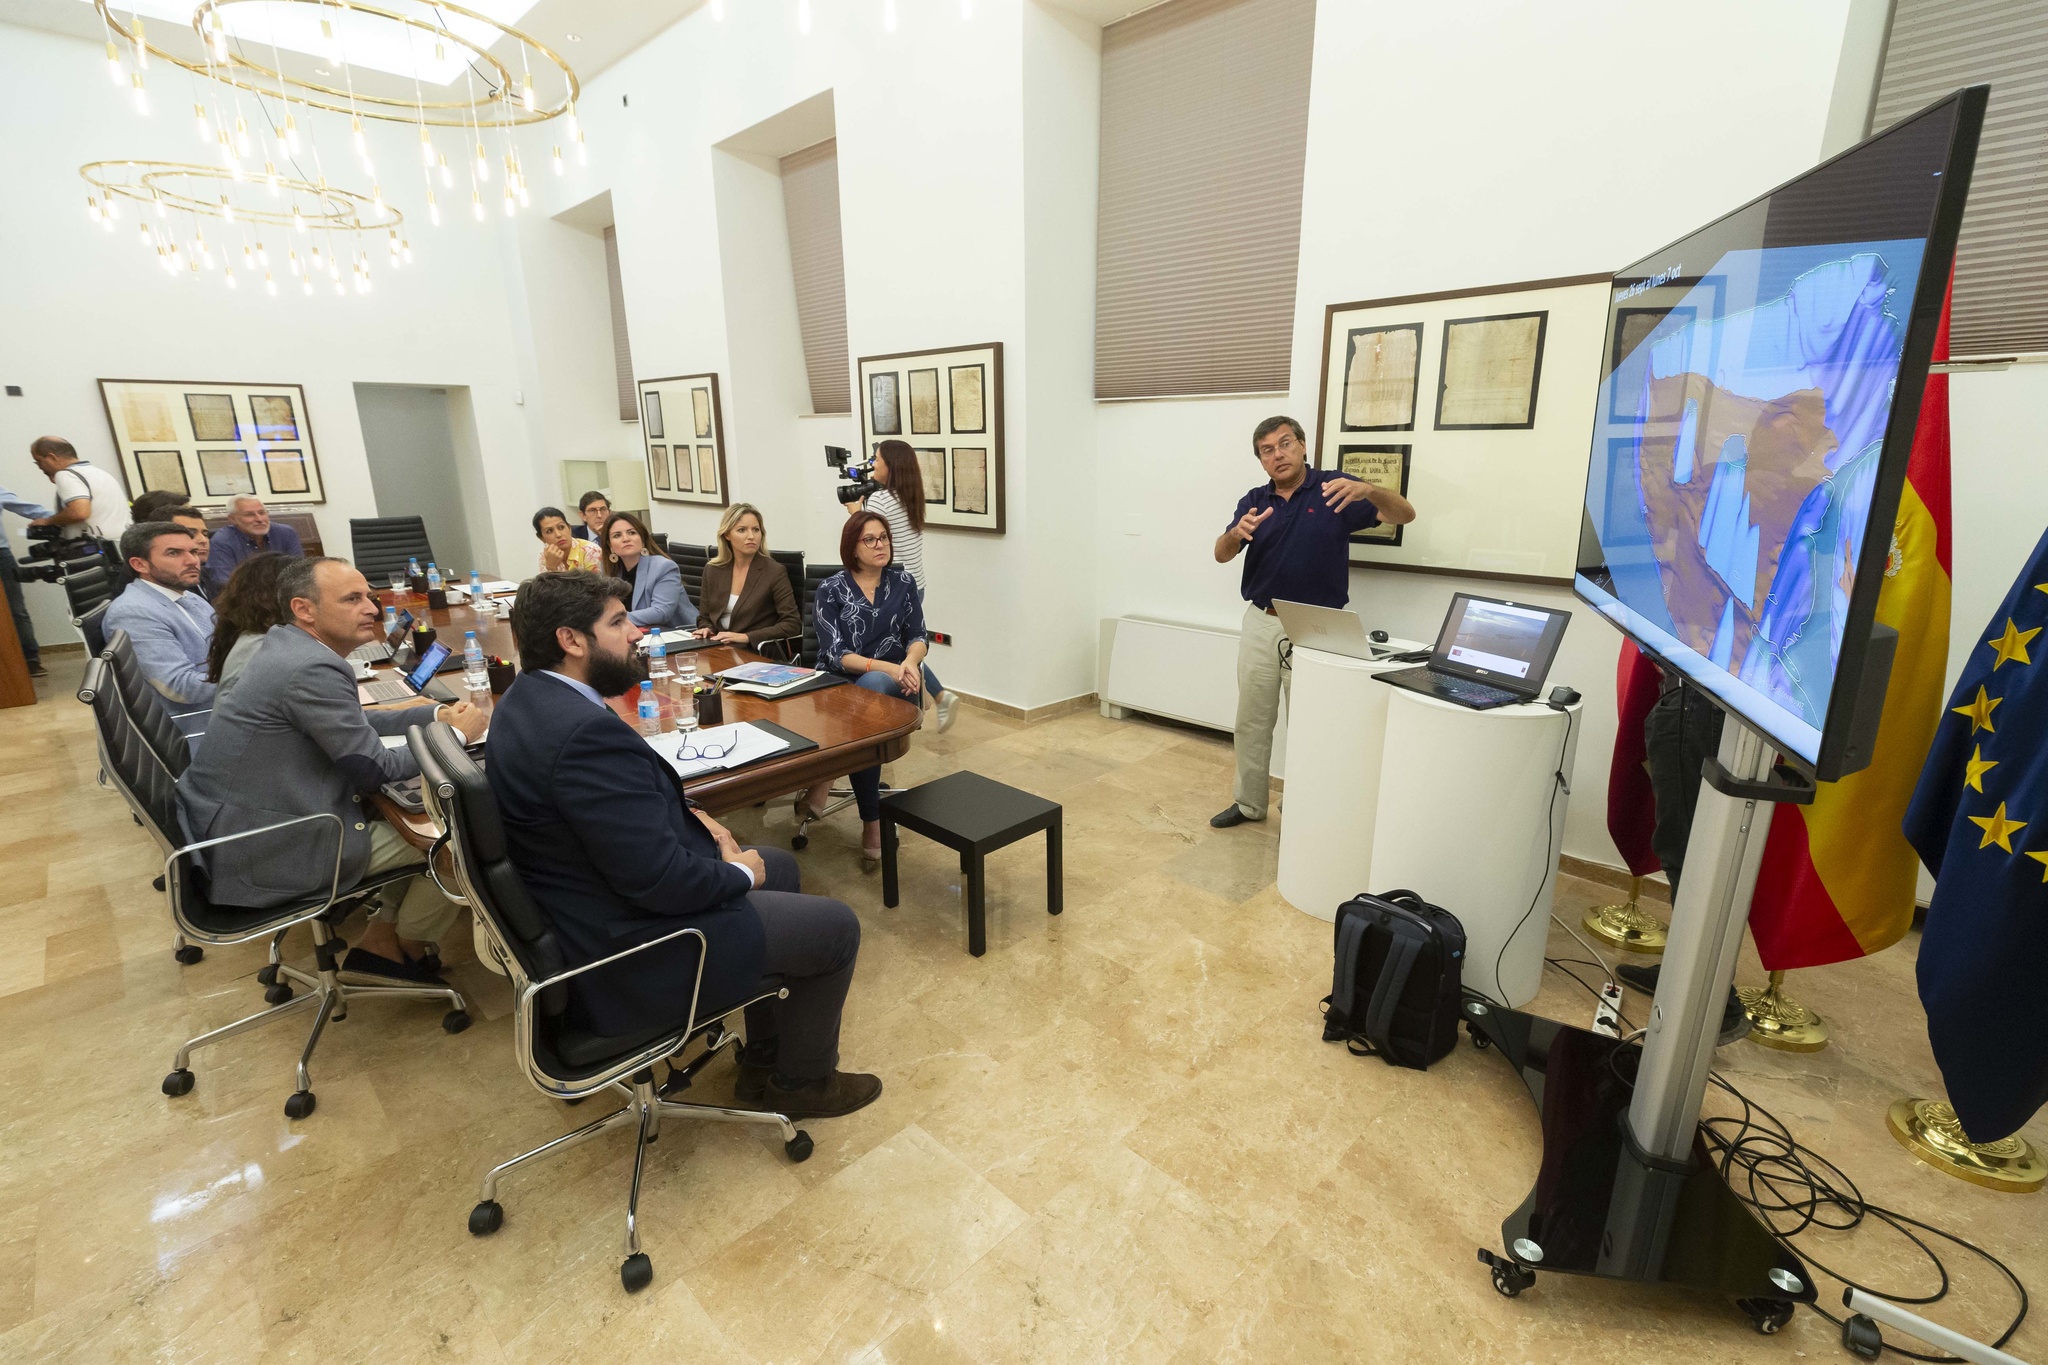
561 1059
151 793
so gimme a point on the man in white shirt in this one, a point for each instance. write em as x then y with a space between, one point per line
90 501
169 624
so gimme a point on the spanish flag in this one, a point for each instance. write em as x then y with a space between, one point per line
1838 876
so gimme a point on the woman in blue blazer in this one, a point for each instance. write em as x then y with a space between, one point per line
658 596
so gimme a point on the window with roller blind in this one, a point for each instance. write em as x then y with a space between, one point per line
2001 281
1204 134
810 201
622 352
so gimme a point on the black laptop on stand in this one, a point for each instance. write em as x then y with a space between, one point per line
1489 653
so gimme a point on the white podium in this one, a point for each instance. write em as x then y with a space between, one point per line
1388 788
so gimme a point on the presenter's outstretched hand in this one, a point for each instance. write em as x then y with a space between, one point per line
1341 493
1248 523
469 720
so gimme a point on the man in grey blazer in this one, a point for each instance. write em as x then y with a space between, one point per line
168 622
291 738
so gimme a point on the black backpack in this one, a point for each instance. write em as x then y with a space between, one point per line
1396 991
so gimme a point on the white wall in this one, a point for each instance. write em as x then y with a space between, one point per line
409 443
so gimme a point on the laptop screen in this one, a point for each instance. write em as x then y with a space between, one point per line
430 663
1502 643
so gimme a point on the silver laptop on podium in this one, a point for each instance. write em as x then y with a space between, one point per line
1331 629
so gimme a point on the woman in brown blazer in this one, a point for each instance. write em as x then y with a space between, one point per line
747 597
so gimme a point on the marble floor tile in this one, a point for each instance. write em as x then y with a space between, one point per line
1118 1136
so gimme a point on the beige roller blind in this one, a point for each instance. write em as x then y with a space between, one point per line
810 199
2001 299
622 352
1204 130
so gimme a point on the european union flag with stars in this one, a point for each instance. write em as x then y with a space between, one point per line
1979 819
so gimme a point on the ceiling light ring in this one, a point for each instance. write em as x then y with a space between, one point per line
145 182
265 81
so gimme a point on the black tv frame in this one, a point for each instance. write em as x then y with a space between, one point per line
1839 754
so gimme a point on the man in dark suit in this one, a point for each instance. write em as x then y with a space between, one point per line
605 841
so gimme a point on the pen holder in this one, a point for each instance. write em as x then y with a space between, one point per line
422 639
437 599
418 583
710 703
502 674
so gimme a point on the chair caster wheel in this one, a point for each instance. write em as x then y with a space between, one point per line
800 842
266 975
799 1147
455 1021
1480 1040
486 1218
299 1105
277 994
1766 1315
189 954
179 1082
637 1273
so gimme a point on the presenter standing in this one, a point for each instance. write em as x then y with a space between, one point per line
1299 527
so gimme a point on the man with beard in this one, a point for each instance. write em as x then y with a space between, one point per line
615 856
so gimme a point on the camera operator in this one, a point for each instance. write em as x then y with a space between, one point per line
10 574
899 499
90 501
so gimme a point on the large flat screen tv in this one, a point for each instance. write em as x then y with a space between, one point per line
1759 390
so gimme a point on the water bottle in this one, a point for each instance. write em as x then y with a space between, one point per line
476 587
413 567
433 577
650 710
657 655
390 622
476 675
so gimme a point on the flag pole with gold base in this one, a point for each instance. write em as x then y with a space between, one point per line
1627 927
1779 1021
1929 1130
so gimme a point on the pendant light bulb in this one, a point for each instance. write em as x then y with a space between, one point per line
532 101
291 134
967 9
511 204
241 135
299 222
161 212
476 204
307 284
141 43
447 176
426 148
141 95
483 165
433 210
92 208
199 121
269 285
718 11
113 63
231 277
339 291
227 210
262 256
405 251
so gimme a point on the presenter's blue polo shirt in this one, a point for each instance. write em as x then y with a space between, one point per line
1302 552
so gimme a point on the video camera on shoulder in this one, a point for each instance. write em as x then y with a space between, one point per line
51 556
860 475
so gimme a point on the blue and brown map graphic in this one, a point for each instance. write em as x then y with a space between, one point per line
1751 451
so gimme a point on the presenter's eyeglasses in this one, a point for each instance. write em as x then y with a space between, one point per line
705 753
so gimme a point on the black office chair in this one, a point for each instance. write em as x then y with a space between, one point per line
88 583
151 793
807 599
691 559
788 650
93 625
559 1058
387 544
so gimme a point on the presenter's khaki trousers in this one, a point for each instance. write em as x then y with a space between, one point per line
1260 681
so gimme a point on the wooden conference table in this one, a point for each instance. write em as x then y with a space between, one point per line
853 727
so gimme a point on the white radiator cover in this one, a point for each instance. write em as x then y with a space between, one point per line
1172 669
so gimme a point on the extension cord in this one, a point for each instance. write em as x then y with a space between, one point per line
1607 1011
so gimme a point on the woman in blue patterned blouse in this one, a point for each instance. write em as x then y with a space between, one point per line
870 629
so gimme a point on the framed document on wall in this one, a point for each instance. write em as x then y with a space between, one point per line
210 441
682 432
1476 404
949 406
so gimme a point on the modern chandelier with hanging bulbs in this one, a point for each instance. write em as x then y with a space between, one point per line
397 62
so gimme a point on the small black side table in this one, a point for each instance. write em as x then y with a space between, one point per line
976 816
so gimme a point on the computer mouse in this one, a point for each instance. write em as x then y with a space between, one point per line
1562 696
1378 637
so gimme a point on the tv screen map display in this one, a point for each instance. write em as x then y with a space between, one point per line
1752 430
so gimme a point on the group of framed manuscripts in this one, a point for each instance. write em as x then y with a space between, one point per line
949 406
1445 398
210 442
683 428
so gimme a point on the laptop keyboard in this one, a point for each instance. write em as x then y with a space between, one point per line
1461 689
375 652
387 691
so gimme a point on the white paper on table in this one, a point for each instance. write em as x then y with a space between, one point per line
497 585
752 742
